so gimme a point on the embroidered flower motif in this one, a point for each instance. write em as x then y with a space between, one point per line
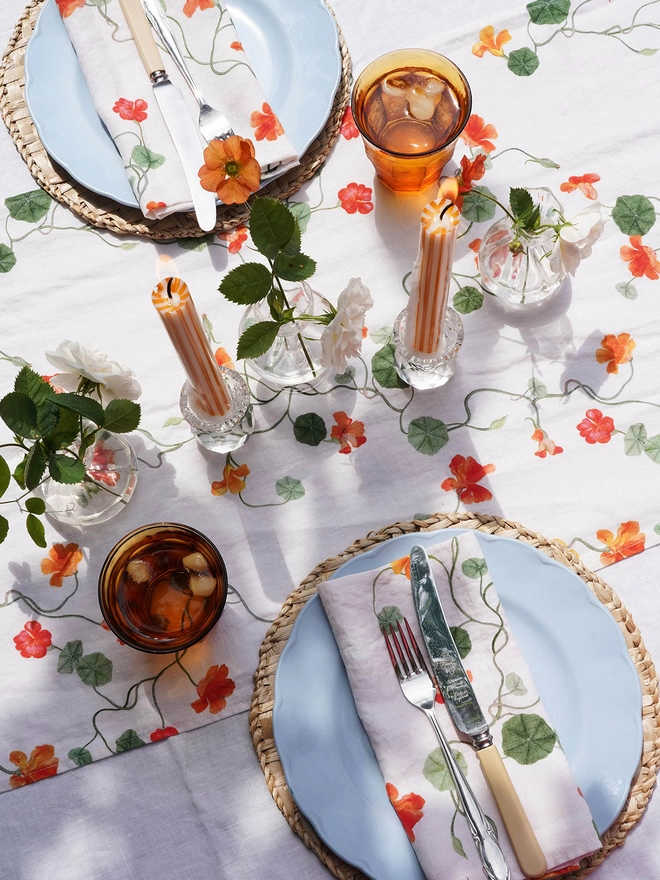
232 480
41 764
191 6
235 238
155 206
585 183
348 127
356 197
32 640
236 45
474 246
265 124
629 541
477 134
135 111
401 566
616 350
488 42
349 433
213 690
546 445
468 473
163 733
223 359
68 7
230 170
61 562
595 427
102 468
408 808
641 259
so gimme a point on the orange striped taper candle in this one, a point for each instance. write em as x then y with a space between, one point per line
431 277
177 310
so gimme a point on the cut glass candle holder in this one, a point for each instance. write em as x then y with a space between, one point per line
226 433
433 370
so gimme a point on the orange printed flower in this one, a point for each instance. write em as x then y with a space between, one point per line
236 45
595 427
356 197
629 541
230 170
349 433
408 808
135 111
163 733
223 359
265 124
641 259
474 246
468 473
232 480
61 562
365 332
476 133
401 566
488 42
348 127
32 640
41 764
546 445
236 238
155 206
616 350
192 6
585 183
68 7
471 171
213 690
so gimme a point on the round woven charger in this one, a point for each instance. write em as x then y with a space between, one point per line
261 726
105 213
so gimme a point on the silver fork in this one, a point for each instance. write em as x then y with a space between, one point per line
418 688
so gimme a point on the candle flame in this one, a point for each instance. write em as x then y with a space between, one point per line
449 188
165 267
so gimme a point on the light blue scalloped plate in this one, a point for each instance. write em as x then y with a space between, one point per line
293 48
580 664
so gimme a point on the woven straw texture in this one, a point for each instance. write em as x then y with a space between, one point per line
105 213
272 646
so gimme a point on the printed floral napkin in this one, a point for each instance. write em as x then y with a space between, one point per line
123 96
417 780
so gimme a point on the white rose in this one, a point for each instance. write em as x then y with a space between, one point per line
75 362
575 241
342 338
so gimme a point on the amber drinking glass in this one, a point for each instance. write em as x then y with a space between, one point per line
410 107
163 587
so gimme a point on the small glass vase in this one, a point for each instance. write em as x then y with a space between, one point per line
525 274
295 356
112 473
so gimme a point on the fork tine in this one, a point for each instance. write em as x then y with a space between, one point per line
415 646
411 658
400 653
392 655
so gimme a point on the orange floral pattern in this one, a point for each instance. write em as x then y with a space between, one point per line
235 239
585 183
61 562
230 170
68 7
595 427
471 171
191 6
628 542
478 134
468 473
408 808
155 206
474 245
236 45
223 359
615 350
265 124
213 690
32 640
41 764
163 733
641 259
401 566
135 111
356 197
488 42
233 480
348 127
349 433
546 446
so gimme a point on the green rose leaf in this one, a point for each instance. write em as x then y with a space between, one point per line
129 740
520 201
196 244
19 413
35 530
346 377
475 567
94 669
294 268
310 429
122 416
5 477
29 206
497 424
462 640
652 448
80 757
302 212
19 474
4 528
627 289
427 435
272 226
35 465
7 258
436 771
293 247
389 616
634 215
289 488
146 158
458 846
246 284
527 738
65 469
476 207
537 389
30 383
70 657
548 11
468 299
515 685
83 406
47 417
382 336
35 505
257 339
383 369
523 62
65 432
635 439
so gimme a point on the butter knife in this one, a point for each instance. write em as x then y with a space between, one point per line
180 124
466 713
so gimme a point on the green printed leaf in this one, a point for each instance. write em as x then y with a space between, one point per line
497 424
548 11
173 420
122 416
382 336
246 284
310 429
541 160
656 528
652 448
129 740
389 616
19 413
462 640
634 215
128 245
272 226
515 685
70 657
5 477
289 488
383 369
523 62
427 435
346 377
35 505
35 530
146 158
635 439
35 465
80 757
29 206
648 51
627 289
302 212
538 389
475 567
458 846
476 207
294 268
7 258
196 244
94 669
83 406
257 339
436 771
468 299
527 738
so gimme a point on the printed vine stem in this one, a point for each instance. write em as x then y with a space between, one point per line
494 648
50 613
373 587
232 591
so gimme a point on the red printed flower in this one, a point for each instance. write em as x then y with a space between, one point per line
191 6
61 562
488 42
401 566
232 480
349 433
408 808
238 47
213 690
585 183
356 197
616 350
546 445
348 127
155 206
132 110
32 640
471 171
629 541
163 733
474 246
223 359
68 7
468 473
641 259
235 238
476 133
41 764
265 124
595 427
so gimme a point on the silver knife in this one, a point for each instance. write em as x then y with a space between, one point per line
180 124
466 713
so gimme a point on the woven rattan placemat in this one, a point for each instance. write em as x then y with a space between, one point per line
105 213
262 700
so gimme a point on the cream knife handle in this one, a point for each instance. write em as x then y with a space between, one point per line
142 35
521 834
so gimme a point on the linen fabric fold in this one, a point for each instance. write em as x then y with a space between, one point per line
414 771
122 93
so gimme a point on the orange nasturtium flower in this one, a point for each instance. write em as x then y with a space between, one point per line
401 566
68 7
616 350
265 124
350 433
641 259
235 239
61 562
192 6
468 473
629 541
408 808
488 42
585 183
595 427
32 640
476 133
232 480
230 170
223 358
213 690
41 764
546 445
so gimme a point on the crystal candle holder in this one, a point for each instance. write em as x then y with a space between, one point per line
436 369
221 433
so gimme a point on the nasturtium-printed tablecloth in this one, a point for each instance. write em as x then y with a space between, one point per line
552 419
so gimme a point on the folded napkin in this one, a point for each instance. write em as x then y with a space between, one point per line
417 780
123 96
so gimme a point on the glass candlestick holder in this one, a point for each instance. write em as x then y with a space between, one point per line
430 371
220 433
